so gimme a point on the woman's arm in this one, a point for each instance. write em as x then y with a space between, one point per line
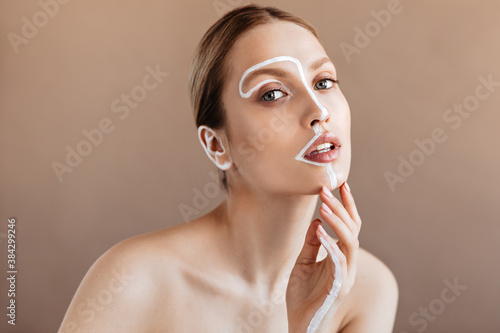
374 297
115 295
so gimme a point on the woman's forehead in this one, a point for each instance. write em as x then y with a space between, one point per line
269 41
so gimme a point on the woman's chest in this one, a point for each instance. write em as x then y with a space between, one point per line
202 313
211 303
226 314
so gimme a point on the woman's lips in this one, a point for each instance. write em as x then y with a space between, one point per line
324 154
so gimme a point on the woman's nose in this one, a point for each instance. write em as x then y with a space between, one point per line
315 112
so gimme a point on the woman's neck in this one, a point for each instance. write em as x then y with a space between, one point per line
264 234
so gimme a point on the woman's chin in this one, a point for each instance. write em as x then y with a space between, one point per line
333 182
313 185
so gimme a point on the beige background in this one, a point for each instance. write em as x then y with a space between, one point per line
441 223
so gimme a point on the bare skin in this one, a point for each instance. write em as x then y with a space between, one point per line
177 280
228 271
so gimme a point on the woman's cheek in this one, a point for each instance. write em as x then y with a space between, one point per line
343 166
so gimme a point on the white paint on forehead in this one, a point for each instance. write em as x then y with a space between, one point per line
324 112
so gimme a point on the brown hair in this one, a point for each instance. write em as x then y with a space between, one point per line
208 73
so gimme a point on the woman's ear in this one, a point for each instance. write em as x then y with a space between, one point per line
214 147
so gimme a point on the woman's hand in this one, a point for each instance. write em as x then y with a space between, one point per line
315 289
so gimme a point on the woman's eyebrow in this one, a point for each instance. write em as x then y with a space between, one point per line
281 73
318 63
278 72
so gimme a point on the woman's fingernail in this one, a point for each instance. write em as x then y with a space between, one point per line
326 208
347 187
327 192
322 230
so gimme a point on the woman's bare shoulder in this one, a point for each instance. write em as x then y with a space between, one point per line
373 300
160 253
373 269
122 287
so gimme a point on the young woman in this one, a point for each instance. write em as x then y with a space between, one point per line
272 118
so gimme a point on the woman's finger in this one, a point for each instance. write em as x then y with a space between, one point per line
349 204
346 237
339 261
338 208
310 250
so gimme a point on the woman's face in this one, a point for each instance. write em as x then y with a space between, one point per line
280 95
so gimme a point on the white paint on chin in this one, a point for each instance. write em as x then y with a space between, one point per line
332 176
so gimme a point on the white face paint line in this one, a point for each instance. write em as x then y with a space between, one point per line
332 175
324 111
224 166
330 298
329 169
300 155
257 86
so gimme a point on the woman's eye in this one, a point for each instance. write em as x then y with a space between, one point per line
272 95
324 84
